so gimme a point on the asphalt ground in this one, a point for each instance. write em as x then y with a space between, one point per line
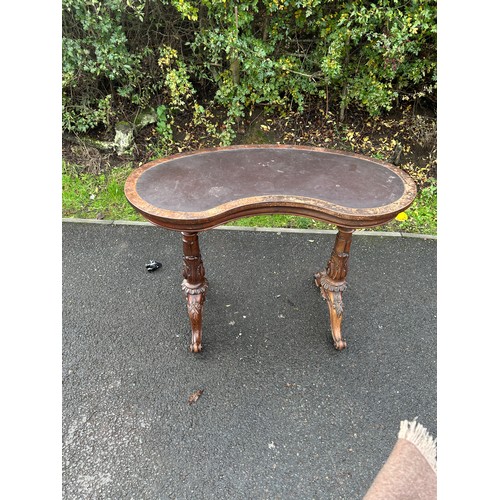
283 415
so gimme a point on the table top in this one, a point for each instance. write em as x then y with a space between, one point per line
201 189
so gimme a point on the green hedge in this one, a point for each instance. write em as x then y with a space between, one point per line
181 56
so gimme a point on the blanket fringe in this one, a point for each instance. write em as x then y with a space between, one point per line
418 435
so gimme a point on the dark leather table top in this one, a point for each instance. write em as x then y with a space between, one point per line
231 181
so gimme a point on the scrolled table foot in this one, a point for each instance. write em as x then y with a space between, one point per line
332 283
340 345
332 293
195 347
194 287
195 303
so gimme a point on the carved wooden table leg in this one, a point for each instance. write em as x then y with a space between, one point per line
332 283
194 286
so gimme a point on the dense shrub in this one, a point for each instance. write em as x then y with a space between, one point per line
121 56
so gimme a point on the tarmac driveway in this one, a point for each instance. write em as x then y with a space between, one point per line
282 414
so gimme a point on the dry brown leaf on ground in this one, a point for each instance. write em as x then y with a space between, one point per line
195 396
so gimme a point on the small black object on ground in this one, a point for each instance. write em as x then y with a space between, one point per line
153 266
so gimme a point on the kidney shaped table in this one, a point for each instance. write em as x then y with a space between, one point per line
192 192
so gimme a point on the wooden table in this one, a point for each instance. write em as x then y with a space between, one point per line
192 192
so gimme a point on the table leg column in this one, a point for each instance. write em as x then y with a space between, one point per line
332 283
194 286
